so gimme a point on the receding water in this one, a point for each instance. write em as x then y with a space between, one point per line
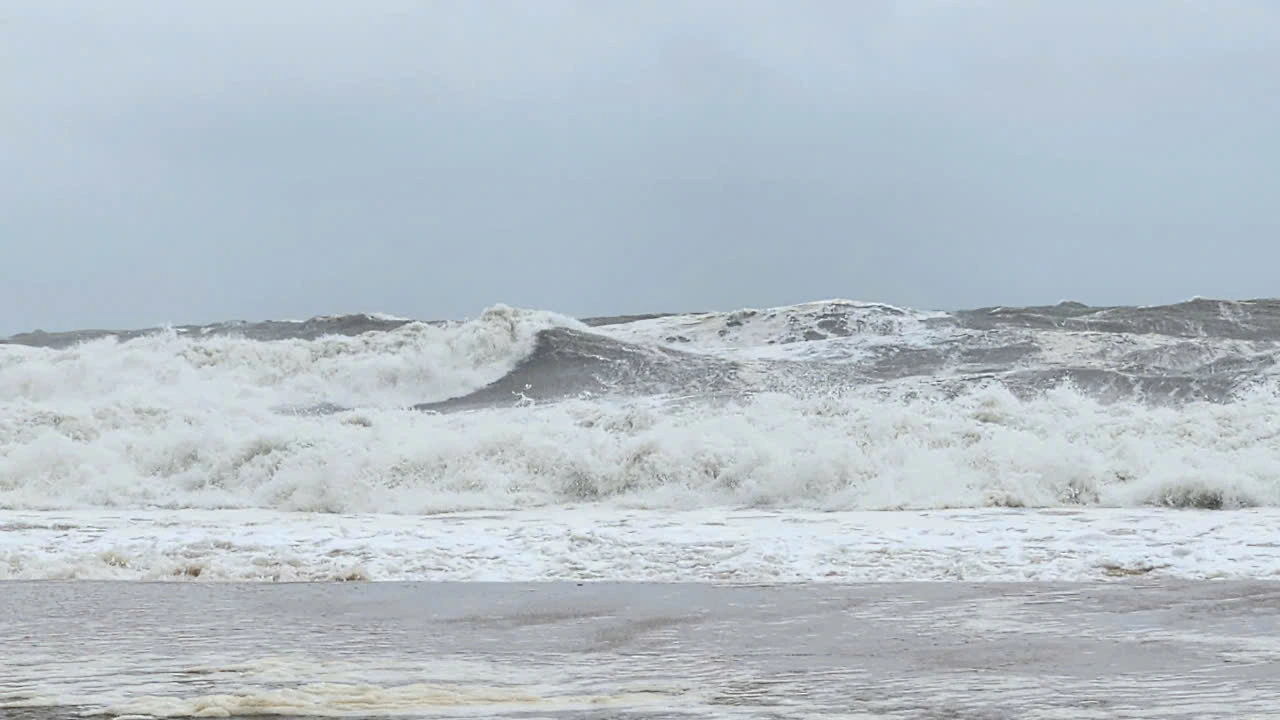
422 650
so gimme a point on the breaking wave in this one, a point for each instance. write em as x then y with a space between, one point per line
829 405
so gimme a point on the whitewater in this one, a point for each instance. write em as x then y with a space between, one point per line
826 441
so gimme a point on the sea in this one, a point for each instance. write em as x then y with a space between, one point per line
830 509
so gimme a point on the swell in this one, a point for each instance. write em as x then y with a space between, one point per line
1199 318
1257 319
268 330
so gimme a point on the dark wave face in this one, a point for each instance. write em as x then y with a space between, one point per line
568 363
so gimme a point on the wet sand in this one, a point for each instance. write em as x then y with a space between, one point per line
1129 649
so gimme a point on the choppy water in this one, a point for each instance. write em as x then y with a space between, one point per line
827 405
1200 349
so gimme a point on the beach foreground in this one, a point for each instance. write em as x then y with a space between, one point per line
1128 649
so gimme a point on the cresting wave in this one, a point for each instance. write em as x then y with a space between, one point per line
829 405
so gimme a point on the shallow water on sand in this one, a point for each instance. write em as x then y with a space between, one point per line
1141 649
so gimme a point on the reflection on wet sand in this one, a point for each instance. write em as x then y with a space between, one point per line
1130 649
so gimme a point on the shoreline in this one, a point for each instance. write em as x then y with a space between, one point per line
1173 649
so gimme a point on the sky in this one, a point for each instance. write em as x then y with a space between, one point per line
203 161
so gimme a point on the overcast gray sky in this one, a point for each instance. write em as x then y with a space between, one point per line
199 161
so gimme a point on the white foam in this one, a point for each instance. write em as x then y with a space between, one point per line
414 363
773 333
610 543
194 439
174 421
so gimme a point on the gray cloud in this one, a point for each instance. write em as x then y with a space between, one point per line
171 162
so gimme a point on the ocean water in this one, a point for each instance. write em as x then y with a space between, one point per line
827 441
1173 650
827 510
